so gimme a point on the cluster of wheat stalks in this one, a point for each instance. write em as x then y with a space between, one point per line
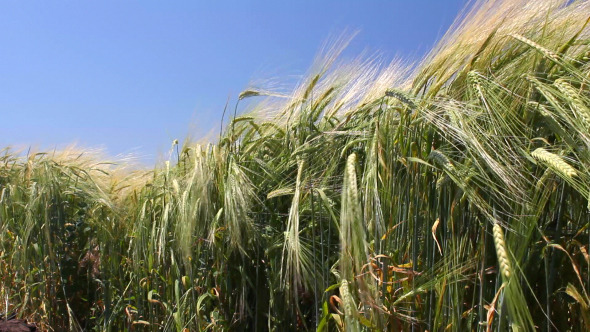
452 195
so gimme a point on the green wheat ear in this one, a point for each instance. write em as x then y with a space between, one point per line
349 307
441 159
501 252
554 162
248 93
573 98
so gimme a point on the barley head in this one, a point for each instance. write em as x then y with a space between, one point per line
554 162
501 251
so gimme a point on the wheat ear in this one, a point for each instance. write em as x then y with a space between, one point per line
555 162
501 251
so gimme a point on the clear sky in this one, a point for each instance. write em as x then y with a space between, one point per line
131 76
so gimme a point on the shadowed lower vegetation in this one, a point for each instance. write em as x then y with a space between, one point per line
452 195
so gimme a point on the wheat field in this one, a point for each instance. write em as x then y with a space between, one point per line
449 195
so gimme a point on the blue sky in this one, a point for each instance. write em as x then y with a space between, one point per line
131 76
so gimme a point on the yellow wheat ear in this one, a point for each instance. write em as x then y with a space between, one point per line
545 51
